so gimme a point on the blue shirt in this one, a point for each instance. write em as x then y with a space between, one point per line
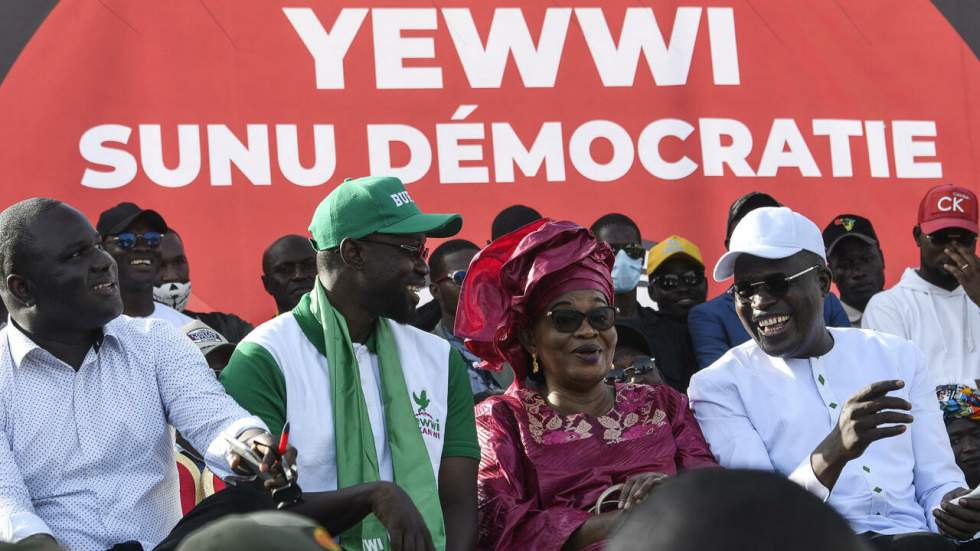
715 327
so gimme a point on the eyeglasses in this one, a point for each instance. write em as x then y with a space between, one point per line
128 240
568 320
633 250
456 277
672 281
776 285
943 240
417 252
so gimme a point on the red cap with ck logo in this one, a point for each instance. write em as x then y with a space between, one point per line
948 206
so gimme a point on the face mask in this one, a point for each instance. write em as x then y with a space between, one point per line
174 295
626 272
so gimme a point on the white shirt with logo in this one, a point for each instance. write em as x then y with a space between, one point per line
309 408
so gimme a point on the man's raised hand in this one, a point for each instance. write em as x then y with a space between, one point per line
860 424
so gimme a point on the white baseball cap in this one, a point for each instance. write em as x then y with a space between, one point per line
770 232
207 339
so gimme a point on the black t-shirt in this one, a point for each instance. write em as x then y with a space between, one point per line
670 343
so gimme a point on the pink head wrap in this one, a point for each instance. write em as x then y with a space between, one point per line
517 276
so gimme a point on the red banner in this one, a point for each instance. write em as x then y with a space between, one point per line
234 119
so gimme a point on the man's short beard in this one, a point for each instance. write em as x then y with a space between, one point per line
394 307
404 318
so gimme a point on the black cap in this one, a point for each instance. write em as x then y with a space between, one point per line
744 205
848 225
121 216
511 218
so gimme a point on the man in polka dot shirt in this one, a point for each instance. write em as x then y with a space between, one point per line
89 398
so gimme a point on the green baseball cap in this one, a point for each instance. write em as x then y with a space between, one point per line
259 532
374 204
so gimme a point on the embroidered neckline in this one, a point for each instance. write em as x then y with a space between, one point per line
542 418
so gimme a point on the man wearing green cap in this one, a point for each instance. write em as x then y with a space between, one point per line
377 408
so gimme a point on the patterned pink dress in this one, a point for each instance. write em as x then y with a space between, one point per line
540 471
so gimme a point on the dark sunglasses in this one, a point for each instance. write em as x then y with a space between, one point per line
414 251
672 281
568 320
128 240
775 285
633 250
944 240
640 366
456 277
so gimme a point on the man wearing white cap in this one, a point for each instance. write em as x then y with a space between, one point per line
848 414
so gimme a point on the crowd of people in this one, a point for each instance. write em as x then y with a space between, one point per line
537 402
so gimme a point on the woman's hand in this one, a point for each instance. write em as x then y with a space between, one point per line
638 487
596 528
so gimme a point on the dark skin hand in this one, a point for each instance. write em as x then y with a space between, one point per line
858 426
960 521
638 487
264 446
594 529
965 268
338 511
38 539
597 528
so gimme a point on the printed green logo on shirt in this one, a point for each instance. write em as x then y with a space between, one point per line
428 425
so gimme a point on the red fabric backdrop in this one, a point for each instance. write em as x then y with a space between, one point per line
232 64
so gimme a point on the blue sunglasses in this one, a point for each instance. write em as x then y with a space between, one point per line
128 240
456 277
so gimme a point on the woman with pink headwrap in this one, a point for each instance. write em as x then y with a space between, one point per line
540 299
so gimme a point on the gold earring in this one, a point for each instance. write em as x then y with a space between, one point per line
534 363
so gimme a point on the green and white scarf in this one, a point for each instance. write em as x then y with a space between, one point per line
357 461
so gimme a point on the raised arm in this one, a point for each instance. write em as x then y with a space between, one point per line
860 424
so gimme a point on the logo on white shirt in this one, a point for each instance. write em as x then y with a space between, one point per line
428 425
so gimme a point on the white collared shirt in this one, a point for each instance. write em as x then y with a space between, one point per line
761 412
88 456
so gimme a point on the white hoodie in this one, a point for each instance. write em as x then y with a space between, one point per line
944 324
